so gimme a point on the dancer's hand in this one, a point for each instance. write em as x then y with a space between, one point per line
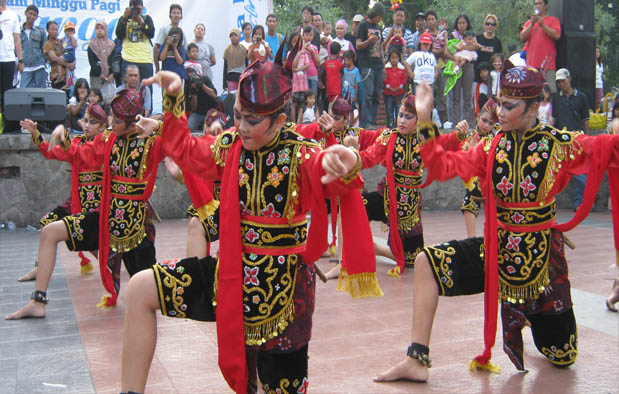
214 129
326 122
462 128
337 162
614 126
57 137
424 101
169 81
350 140
28 125
146 126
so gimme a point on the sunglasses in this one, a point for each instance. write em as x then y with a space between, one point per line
490 24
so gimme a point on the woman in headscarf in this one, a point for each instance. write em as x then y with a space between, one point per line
100 49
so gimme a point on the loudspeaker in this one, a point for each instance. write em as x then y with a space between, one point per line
37 104
575 15
576 52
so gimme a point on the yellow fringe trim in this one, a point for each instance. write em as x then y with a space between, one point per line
527 292
617 253
86 269
127 244
207 210
395 272
359 285
104 302
264 331
332 250
476 366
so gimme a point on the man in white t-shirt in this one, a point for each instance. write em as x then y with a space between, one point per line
423 62
10 46
176 14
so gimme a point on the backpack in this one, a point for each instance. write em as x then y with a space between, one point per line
115 59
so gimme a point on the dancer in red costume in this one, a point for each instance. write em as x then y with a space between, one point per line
520 170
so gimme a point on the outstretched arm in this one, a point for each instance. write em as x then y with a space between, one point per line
189 152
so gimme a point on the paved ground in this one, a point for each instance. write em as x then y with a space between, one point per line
76 348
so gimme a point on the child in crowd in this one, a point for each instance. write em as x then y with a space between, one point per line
442 25
235 60
310 114
299 82
464 55
192 53
259 48
326 30
333 72
76 108
544 113
69 43
394 41
394 82
310 53
482 89
496 61
351 78
95 97
423 62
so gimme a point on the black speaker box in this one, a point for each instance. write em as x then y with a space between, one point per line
575 15
576 52
37 104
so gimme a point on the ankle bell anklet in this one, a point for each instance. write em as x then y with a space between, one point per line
39 296
420 353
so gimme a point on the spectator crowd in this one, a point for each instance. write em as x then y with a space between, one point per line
370 66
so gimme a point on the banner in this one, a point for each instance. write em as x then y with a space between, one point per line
219 16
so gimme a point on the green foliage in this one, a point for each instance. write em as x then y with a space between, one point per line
606 33
289 12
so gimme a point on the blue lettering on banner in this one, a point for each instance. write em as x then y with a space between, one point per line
250 12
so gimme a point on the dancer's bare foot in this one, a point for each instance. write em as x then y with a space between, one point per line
408 369
32 275
613 298
334 272
31 309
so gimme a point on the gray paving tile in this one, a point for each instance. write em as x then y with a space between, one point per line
33 347
9 351
48 328
8 334
58 364
8 385
80 382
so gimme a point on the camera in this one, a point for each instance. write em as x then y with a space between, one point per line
174 38
135 11
195 79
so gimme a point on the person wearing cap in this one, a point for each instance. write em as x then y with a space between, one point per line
370 60
422 62
420 25
136 32
76 221
32 40
354 28
271 176
540 34
521 170
570 110
235 61
399 17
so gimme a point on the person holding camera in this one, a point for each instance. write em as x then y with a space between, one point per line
176 14
172 54
136 30
259 49
370 63
200 96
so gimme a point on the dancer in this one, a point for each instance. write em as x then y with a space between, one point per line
332 128
487 119
528 164
130 168
264 291
85 179
398 150
85 197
